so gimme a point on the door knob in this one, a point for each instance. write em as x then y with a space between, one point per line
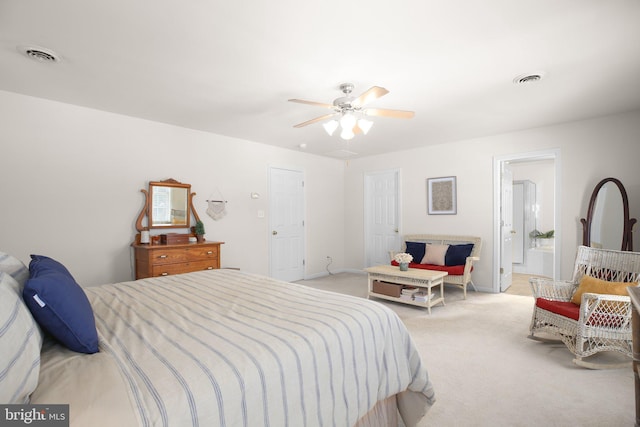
274 232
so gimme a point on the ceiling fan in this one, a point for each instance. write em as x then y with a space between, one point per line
348 108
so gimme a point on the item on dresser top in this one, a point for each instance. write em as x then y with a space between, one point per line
198 230
177 238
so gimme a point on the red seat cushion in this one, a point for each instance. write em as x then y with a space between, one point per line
452 270
615 319
563 308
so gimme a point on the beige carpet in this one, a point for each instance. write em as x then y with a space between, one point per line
520 284
486 372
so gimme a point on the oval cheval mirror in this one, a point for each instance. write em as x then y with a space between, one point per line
608 225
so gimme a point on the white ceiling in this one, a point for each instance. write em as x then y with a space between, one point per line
228 67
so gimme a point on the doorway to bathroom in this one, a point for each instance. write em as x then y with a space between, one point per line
526 214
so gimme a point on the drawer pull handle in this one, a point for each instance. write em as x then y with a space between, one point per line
165 274
209 252
162 256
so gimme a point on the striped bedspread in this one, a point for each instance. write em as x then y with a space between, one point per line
227 348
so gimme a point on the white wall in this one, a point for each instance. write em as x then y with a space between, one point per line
590 150
71 180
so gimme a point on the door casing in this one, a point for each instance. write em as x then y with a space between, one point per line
497 167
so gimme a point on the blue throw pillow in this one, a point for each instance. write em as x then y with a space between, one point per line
416 249
60 306
44 263
457 254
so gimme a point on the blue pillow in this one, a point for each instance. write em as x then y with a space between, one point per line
60 306
457 254
416 249
44 263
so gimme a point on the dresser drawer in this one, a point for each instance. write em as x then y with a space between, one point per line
167 256
164 260
202 253
186 267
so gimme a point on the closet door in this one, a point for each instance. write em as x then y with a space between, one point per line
286 208
382 219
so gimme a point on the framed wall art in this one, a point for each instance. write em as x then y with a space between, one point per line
441 196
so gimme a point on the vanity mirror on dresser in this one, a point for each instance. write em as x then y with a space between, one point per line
169 206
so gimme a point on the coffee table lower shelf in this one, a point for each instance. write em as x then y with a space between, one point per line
428 304
426 279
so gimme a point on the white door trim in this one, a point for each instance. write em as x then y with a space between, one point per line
554 154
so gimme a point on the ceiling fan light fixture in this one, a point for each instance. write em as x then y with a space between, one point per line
347 121
347 134
330 126
349 112
365 125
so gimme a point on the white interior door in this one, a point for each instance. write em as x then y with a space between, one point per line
286 202
381 217
506 221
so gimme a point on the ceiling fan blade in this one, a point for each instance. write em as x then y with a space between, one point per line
317 104
396 114
371 94
316 120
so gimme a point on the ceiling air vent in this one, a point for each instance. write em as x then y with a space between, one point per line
39 54
528 78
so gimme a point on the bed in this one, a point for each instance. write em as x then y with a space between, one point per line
224 348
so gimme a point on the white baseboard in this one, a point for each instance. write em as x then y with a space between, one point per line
337 271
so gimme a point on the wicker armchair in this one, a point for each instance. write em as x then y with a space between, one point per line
604 321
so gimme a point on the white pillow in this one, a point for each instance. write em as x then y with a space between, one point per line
20 344
14 267
434 254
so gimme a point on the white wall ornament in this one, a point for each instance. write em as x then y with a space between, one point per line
217 209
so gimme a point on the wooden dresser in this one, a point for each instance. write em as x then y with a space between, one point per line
162 260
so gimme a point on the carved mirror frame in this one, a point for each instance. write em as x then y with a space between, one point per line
627 226
146 209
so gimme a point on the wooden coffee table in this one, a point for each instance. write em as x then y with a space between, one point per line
415 277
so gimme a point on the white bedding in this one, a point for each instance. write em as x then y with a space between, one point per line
229 348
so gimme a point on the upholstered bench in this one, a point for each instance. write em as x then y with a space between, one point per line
453 254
